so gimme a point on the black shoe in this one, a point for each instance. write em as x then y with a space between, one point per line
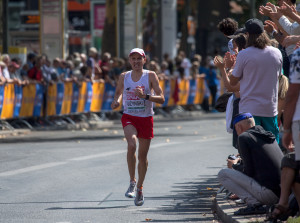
251 209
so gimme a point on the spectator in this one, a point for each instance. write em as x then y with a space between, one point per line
2 78
117 69
228 26
164 69
257 68
47 70
185 64
282 90
35 73
282 21
211 79
83 59
14 75
92 61
76 71
169 62
5 59
30 60
68 67
57 66
259 182
290 138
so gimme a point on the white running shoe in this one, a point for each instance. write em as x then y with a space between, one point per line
131 190
139 199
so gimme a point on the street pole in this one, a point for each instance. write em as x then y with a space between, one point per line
5 26
252 9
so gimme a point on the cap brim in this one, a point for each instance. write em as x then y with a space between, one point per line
239 31
137 53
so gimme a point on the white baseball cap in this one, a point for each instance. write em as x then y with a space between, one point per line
139 51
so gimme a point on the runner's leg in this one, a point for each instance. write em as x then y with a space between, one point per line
144 145
131 137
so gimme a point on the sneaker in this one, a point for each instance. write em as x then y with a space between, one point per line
139 199
131 190
251 209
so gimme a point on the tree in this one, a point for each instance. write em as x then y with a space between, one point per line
109 41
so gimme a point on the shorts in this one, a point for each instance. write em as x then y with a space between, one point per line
143 125
269 124
296 138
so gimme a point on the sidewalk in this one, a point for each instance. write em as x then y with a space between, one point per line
226 207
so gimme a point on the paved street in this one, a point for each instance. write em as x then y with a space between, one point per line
81 176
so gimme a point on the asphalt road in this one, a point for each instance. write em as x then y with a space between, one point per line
81 176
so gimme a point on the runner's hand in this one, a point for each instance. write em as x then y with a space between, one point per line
139 92
115 104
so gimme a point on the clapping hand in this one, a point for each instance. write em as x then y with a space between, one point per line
270 26
229 60
265 10
287 10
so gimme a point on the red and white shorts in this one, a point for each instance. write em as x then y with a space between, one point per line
143 125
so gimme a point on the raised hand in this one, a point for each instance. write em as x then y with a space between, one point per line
272 6
229 60
265 10
218 63
272 24
287 10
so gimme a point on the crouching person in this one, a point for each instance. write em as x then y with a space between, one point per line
258 183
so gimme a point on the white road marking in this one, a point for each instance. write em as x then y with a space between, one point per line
31 168
98 155
94 156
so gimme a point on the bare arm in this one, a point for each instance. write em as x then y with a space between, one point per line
233 80
273 14
226 81
119 91
289 109
221 66
154 84
290 12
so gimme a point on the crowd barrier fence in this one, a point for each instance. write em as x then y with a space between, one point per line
37 100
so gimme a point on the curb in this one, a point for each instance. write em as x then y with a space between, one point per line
225 209
16 132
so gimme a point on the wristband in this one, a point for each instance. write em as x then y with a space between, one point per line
273 32
147 97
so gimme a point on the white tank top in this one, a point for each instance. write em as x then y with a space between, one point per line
133 105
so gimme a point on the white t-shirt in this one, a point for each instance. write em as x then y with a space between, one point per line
258 70
186 64
5 73
230 47
295 79
133 105
290 28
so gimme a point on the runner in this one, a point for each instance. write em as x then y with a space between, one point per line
137 88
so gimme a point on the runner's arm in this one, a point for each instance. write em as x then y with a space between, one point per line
154 84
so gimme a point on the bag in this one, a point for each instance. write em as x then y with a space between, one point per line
229 110
221 103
